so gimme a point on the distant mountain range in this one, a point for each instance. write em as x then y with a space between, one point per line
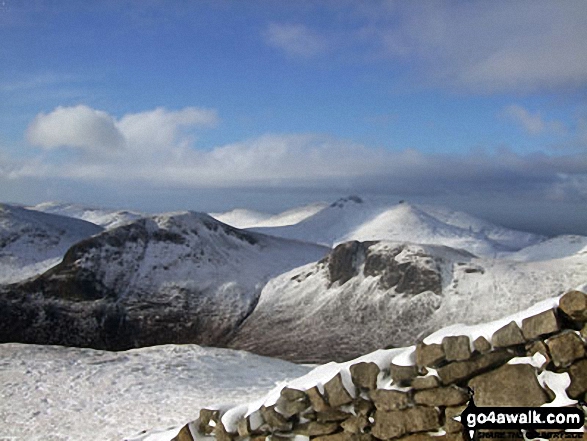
395 273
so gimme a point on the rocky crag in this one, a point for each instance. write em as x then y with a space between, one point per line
535 358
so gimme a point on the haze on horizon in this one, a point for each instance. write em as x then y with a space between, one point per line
211 105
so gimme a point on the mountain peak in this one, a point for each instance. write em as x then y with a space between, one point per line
340 203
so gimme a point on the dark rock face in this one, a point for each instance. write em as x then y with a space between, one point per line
343 261
147 283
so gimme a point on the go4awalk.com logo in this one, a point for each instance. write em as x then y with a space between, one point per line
529 422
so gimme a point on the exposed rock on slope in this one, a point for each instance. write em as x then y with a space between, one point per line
32 242
171 278
370 295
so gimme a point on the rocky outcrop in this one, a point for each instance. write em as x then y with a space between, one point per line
419 401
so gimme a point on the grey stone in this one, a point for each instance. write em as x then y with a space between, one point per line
355 424
402 374
510 385
221 433
364 375
458 371
207 415
275 420
538 347
336 393
456 348
244 427
315 428
509 335
584 332
317 400
578 374
482 345
429 355
574 305
427 382
565 348
389 399
443 396
540 324
396 423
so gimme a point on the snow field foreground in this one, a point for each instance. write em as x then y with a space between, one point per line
534 358
54 393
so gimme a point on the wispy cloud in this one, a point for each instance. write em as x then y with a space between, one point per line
533 123
157 152
295 39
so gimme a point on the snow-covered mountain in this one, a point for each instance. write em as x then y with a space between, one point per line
353 218
180 277
371 295
32 242
105 218
57 393
243 218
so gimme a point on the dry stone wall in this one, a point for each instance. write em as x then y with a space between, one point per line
418 402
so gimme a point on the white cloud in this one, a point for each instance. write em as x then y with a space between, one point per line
79 127
532 123
295 39
96 132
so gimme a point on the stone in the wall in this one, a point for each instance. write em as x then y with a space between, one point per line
288 407
565 348
537 347
315 428
427 382
332 415
482 345
578 375
584 332
574 305
396 423
389 399
402 374
336 393
291 394
184 434
540 324
456 348
509 335
207 415
442 396
459 371
341 436
355 424
317 400
275 420
509 385
429 355
221 433
244 427
363 407
451 425
364 375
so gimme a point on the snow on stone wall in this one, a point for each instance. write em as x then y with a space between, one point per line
535 358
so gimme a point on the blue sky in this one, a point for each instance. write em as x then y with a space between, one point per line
207 105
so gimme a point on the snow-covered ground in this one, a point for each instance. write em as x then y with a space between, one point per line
353 218
50 393
103 217
31 242
243 218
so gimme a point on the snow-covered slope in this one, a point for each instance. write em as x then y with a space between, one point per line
556 248
180 277
353 218
107 219
243 218
366 296
32 242
55 393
